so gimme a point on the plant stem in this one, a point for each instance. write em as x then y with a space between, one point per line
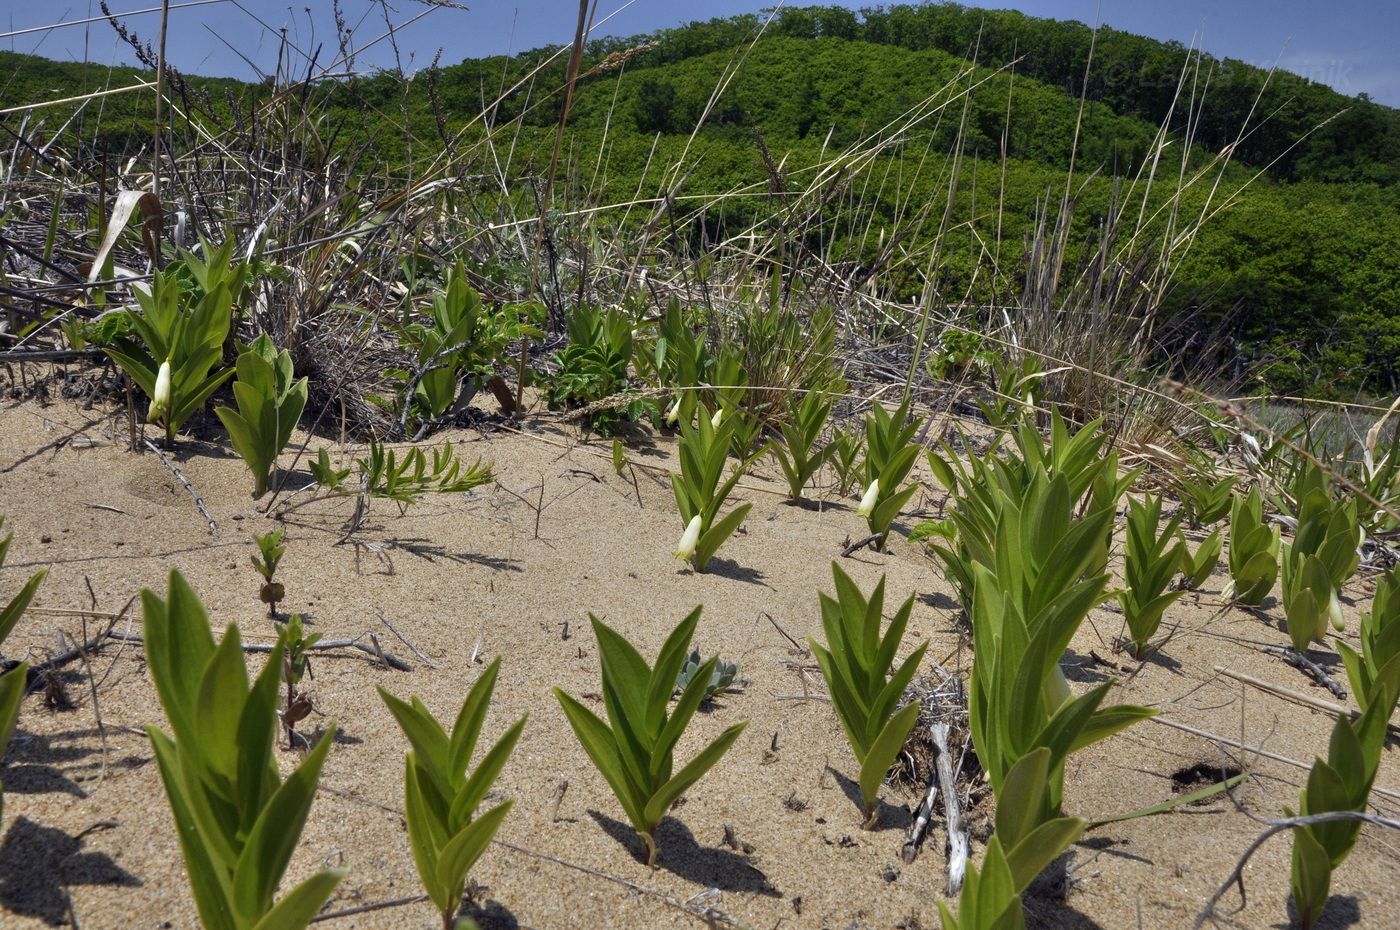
650 841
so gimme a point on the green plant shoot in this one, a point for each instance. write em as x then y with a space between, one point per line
856 663
1254 549
269 406
704 450
270 552
890 452
1378 662
173 353
1019 850
633 749
1151 560
441 797
1197 566
799 454
237 820
12 683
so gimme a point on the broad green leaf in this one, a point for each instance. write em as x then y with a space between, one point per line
302 903
884 749
666 795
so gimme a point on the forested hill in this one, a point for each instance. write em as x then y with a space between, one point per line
1313 132
1300 275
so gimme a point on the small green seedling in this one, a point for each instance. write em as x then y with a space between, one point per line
1197 566
296 665
1151 560
722 678
1378 662
1254 549
1020 849
384 476
799 454
890 451
271 550
857 663
633 750
441 799
269 406
237 820
619 456
12 683
704 450
173 352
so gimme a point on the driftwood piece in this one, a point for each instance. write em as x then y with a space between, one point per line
941 783
1314 671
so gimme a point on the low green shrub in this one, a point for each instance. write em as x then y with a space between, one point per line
269 406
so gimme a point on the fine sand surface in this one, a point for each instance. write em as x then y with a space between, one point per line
86 831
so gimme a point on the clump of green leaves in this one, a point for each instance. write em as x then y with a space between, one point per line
237 820
1205 501
1378 662
1015 393
722 678
633 750
1151 560
800 454
1254 549
296 646
459 346
1197 566
1020 848
1034 569
856 663
173 352
12 682
890 452
441 796
674 358
1322 555
593 366
700 493
269 405
383 474
270 552
846 448
988 486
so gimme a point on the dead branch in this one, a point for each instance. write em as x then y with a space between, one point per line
198 501
1236 876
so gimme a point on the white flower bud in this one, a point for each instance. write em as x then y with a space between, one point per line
160 404
867 503
686 549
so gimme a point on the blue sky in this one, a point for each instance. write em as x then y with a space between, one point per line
1352 45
